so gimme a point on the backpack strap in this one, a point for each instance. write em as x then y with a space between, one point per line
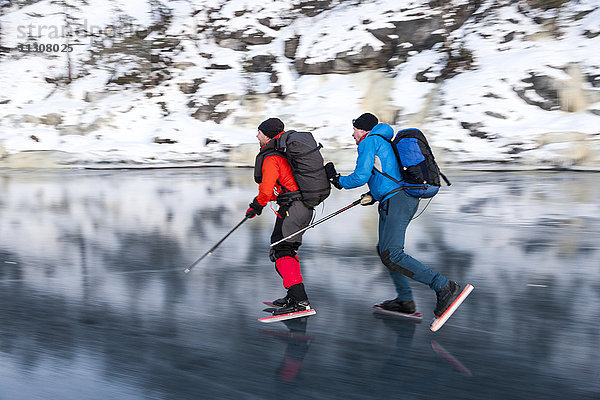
265 152
387 176
398 159
394 149
445 179
404 186
320 146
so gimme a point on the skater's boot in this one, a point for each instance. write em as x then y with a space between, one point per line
407 307
296 300
292 306
280 302
446 297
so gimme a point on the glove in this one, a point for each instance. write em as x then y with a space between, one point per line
367 199
254 210
335 181
330 170
332 175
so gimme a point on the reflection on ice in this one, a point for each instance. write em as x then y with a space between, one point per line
93 292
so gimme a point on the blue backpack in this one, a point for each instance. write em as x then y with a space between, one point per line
418 168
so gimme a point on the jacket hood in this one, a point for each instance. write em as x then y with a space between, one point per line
383 130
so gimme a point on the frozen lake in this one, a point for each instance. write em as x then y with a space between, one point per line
94 303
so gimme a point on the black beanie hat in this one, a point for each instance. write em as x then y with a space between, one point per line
271 127
366 122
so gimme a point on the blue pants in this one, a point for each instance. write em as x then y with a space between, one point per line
395 214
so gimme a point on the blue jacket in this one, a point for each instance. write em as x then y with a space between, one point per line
374 151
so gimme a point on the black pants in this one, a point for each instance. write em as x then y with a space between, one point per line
292 217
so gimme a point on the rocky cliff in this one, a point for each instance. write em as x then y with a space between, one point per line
169 82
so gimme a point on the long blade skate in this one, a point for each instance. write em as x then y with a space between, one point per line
438 322
283 317
417 316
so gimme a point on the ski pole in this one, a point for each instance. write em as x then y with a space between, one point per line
349 206
208 253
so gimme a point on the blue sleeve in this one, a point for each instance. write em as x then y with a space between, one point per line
364 165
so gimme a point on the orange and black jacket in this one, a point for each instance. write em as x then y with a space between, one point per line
273 174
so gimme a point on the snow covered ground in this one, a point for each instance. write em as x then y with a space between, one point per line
526 96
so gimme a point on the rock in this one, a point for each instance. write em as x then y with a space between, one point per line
190 87
310 8
30 119
545 87
590 35
91 97
268 22
260 63
290 47
208 111
421 76
508 37
52 119
495 115
558 94
69 130
163 140
265 21
546 4
219 66
474 130
98 123
131 78
256 38
423 33
233 44
344 63
183 65
458 59
239 39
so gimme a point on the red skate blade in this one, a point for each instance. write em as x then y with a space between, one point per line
437 323
283 317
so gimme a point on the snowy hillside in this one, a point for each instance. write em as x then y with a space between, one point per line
153 82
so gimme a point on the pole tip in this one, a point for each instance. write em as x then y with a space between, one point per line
187 271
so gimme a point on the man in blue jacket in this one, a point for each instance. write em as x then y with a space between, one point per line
396 208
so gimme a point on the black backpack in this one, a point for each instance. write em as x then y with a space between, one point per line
417 163
304 156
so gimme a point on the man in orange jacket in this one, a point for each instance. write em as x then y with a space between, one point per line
276 182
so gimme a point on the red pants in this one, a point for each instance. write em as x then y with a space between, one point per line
289 269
